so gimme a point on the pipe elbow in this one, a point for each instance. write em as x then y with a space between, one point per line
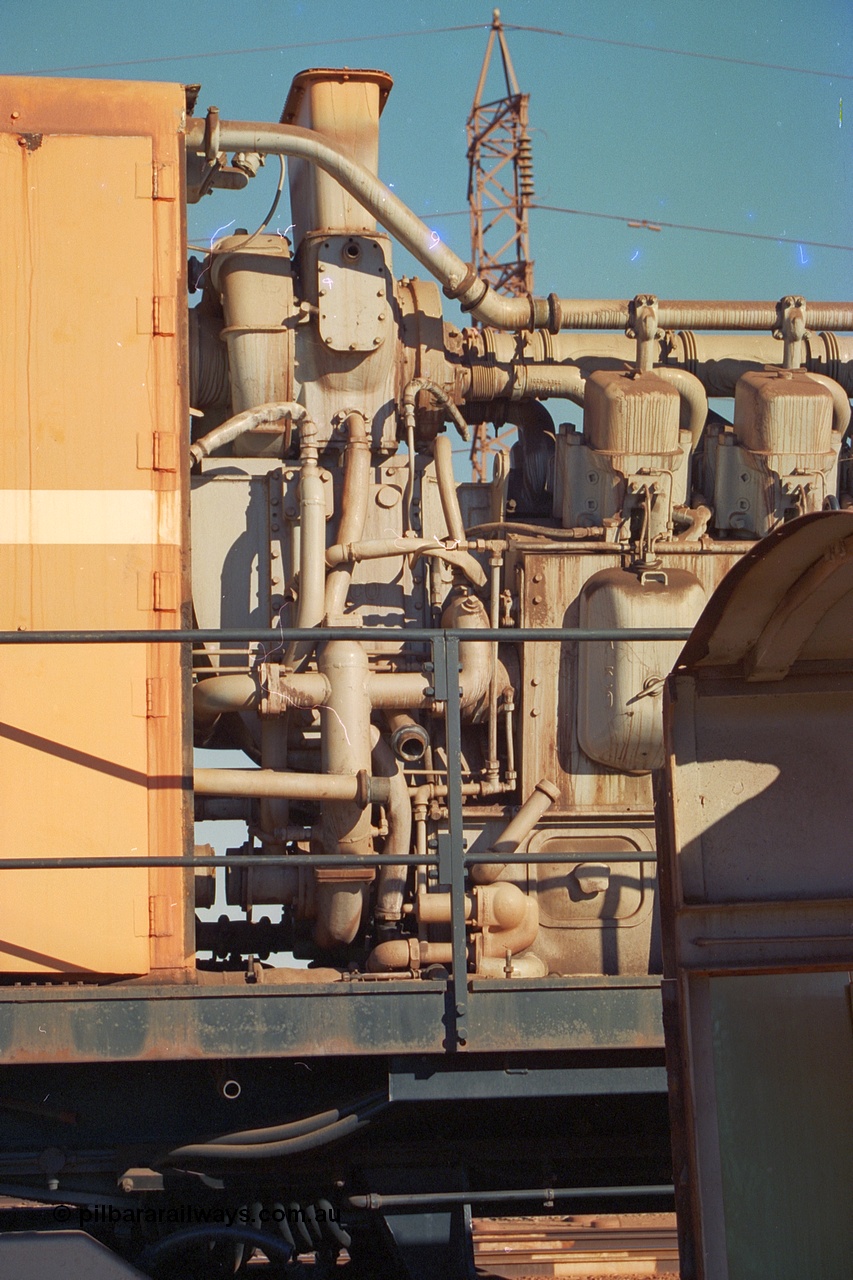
474 655
840 403
694 401
522 915
217 695
393 955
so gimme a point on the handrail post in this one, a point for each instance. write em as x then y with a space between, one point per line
445 651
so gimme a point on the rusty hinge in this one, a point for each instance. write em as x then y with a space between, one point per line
165 316
166 594
158 315
165 451
158 591
160 915
157 451
150 700
156 181
156 697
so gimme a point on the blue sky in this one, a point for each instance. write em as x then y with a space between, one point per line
618 130
636 133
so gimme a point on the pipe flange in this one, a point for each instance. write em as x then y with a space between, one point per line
555 314
467 283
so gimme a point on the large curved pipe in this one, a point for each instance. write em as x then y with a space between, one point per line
295 1128
460 280
273 1150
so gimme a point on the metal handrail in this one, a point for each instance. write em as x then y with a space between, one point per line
444 648
228 861
511 635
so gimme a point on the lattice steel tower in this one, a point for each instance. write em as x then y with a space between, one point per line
500 188
500 178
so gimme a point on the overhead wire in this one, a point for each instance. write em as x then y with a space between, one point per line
478 26
653 224
434 31
680 53
263 48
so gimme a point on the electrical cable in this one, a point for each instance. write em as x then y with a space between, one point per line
656 223
679 53
434 31
264 48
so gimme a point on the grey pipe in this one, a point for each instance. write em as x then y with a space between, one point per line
543 795
271 1150
392 879
461 281
241 423
295 1128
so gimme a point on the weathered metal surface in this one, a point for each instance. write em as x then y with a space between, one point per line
430 1080
757 902
93 526
550 591
112 1025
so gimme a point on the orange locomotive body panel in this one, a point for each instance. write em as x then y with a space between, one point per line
93 757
